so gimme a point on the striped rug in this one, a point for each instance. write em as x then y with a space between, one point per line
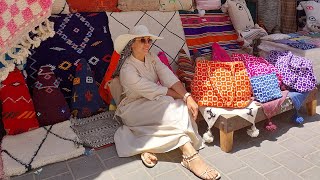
201 32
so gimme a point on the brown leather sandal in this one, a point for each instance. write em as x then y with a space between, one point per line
186 163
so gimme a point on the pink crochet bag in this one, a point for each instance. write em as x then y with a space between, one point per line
257 66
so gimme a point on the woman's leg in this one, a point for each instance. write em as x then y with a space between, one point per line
196 164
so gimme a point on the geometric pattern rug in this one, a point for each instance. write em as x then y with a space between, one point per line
165 24
49 144
98 130
78 35
202 31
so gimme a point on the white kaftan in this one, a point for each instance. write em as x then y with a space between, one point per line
153 122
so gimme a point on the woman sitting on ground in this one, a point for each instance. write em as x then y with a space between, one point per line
157 117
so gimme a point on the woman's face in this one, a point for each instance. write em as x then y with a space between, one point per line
141 45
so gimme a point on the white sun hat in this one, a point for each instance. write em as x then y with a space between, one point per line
137 31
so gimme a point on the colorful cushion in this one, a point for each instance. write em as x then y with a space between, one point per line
163 58
49 102
18 113
265 87
60 7
166 5
208 4
141 5
219 54
297 72
93 5
185 71
312 9
79 35
104 90
201 32
256 66
86 100
239 14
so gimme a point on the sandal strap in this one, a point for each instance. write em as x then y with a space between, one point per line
187 158
204 174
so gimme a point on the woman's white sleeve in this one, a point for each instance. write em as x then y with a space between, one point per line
130 79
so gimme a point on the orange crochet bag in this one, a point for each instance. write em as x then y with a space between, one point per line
221 84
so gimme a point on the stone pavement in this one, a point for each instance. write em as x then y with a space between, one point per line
292 152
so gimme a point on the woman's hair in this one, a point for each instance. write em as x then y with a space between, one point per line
126 52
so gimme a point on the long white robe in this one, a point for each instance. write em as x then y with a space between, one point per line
153 122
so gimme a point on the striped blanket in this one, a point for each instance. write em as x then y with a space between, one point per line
201 32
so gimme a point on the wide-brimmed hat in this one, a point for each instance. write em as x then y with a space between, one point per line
137 31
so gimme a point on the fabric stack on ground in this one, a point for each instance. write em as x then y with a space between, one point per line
46 145
96 131
78 35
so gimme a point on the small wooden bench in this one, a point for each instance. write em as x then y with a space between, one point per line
227 124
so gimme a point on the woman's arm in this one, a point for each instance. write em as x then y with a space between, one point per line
178 90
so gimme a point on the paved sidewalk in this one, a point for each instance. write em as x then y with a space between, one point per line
292 152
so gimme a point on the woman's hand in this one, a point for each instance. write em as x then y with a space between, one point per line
193 107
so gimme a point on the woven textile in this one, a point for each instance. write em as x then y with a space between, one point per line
141 5
186 68
40 147
79 35
169 5
269 12
211 115
17 19
93 5
60 7
164 24
18 114
297 72
265 87
201 32
85 100
98 130
288 16
47 90
256 66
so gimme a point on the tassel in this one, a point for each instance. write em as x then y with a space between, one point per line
35 42
25 43
208 137
224 7
4 72
201 12
50 27
253 132
270 126
297 119
299 8
20 56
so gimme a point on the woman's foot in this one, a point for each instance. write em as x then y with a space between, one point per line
149 159
199 167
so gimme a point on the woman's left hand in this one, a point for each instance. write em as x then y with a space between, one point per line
193 107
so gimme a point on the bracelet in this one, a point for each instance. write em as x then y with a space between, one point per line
185 97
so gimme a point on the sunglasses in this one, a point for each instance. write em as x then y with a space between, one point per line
145 40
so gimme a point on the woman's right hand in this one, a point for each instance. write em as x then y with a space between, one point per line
193 107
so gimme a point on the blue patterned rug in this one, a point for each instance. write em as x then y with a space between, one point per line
79 35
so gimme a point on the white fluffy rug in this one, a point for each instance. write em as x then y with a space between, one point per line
39 147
